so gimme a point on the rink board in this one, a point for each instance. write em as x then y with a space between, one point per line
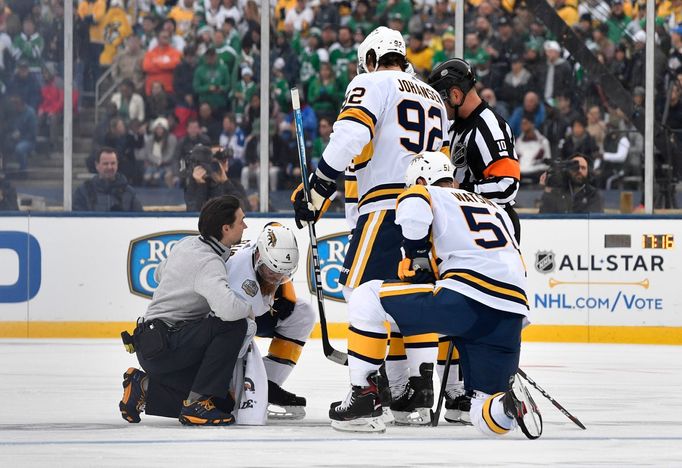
603 279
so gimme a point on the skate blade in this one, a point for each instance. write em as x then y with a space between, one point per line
418 417
457 417
387 416
531 422
291 413
373 425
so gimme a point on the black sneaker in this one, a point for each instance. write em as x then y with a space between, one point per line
417 397
283 404
457 409
204 413
134 396
518 404
361 410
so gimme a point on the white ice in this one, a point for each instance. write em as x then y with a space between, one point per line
60 408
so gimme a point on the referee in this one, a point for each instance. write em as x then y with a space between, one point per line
481 142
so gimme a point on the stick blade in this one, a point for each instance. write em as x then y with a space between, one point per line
336 356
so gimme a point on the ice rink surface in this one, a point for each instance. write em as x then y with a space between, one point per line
60 408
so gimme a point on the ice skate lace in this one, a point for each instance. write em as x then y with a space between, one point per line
348 402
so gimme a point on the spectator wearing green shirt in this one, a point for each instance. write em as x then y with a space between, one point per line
243 91
473 52
311 56
385 8
617 21
228 55
29 45
343 51
280 86
323 92
321 142
448 50
361 18
211 81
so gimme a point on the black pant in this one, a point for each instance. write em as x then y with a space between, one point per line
200 356
513 215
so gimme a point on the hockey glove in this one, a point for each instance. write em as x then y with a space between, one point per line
416 267
321 193
283 306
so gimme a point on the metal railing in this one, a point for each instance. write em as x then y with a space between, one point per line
102 96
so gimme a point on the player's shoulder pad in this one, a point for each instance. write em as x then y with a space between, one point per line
416 191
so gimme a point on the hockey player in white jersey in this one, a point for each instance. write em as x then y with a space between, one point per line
260 272
479 299
387 118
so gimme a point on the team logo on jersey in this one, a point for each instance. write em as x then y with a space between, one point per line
144 255
331 251
544 261
250 287
459 155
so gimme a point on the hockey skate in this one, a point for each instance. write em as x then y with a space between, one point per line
361 410
132 403
413 406
457 408
283 404
385 396
518 404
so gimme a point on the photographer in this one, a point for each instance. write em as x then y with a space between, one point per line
567 187
206 177
189 339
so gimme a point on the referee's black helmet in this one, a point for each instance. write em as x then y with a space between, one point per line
452 73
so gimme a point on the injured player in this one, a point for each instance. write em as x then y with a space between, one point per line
260 273
479 299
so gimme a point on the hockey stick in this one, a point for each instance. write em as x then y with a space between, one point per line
332 354
575 420
435 416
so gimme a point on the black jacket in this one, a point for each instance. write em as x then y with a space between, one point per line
584 199
98 194
197 194
8 197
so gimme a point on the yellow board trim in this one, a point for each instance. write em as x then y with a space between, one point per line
338 330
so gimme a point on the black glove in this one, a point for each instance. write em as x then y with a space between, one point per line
282 307
416 266
321 192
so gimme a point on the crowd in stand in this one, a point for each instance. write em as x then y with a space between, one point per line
188 71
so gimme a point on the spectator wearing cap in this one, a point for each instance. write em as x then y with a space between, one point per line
159 152
130 105
343 51
212 81
397 21
25 84
501 48
448 50
361 18
617 21
388 10
419 55
193 136
175 41
159 63
579 141
300 17
280 86
638 62
517 82
243 91
204 39
28 45
324 94
311 56
531 147
183 14
116 28
556 75
127 64
227 55
231 34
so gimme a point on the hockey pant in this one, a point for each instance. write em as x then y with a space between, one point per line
488 340
288 338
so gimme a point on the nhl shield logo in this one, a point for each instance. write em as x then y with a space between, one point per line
544 261
332 252
144 255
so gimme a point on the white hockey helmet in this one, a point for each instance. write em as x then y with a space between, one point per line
277 249
382 41
432 166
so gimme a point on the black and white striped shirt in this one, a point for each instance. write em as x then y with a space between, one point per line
482 150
